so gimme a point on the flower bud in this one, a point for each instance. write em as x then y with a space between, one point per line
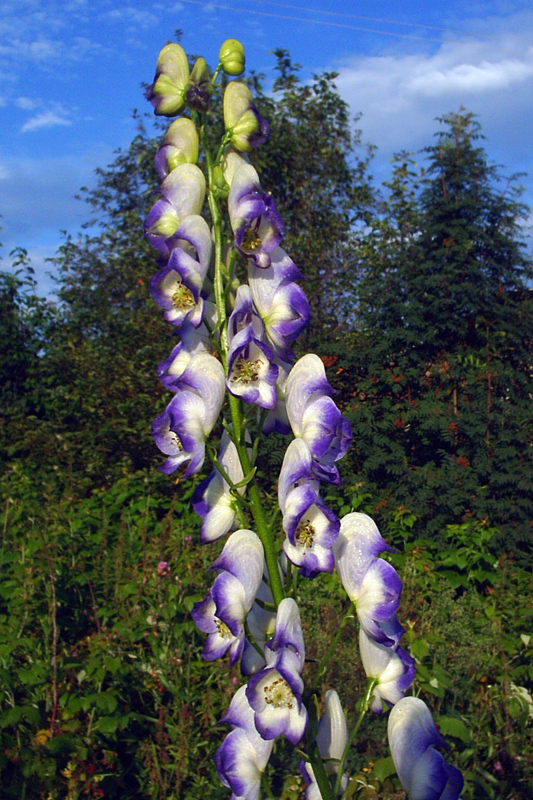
167 93
231 57
199 88
241 118
180 146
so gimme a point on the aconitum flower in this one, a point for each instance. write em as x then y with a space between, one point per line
255 220
213 500
223 612
280 302
315 418
242 119
392 667
181 430
311 527
252 373
180 146
176 288
167 92
192 341
370 582
199 87
231 57
183 193
244 754
421 769
331 740
275 693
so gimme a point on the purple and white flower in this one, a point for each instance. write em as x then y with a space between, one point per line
422 770
181 430
252 373
213 500
244 754
275 693
392 667
176 288
371 583
183 193
255 220
223 612
311 527
315 418
331 740
280 302
193 341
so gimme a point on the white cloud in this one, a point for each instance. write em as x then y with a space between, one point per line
400 95
47 119
26 103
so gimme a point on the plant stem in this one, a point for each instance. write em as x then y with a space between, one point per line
370 685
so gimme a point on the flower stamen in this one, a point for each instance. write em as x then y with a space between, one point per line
278 694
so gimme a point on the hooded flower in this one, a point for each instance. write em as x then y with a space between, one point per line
180 146
311 527
275 693
370 582
167 92
392 667
280 302
315 418
421 769
181 430
183 193
255 220
176 288
252 372
242 119
212 499
331 740
223 612
244 754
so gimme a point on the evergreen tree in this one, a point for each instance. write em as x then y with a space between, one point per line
442 362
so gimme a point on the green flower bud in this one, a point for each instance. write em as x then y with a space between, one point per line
199 88
232 57
167 93
241 118
180 146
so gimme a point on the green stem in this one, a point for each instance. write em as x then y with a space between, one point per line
333 645
370 685
321 776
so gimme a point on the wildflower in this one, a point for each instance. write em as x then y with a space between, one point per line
242 120
370 582
223 612
213 500
231 57
181 430
275 693
180 146
244 754
392 667
421 769
183 193
331 740
255 220
167 92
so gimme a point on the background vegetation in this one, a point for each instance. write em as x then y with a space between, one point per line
422 312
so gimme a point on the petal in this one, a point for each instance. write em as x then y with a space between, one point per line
243 557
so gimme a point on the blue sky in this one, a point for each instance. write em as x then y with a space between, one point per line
71 74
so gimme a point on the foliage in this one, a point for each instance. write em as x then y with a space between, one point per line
438 376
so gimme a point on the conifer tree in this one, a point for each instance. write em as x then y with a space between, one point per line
443 359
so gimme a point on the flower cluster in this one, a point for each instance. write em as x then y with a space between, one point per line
232 295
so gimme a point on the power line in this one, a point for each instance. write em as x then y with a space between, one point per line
309 19
360 16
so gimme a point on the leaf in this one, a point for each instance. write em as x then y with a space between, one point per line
453 726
